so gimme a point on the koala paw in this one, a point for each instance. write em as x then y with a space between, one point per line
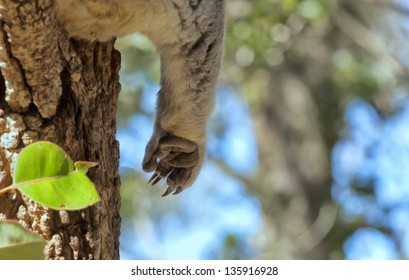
175 158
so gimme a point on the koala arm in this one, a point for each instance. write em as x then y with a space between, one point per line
188 35
189 70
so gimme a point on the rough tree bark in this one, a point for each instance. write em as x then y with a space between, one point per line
66 92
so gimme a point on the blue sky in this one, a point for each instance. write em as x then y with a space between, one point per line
374 151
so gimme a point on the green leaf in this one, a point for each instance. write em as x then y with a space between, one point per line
40 160
16 243
72 192
45 173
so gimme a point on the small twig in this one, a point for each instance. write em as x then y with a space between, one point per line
6 189
367 40
391 5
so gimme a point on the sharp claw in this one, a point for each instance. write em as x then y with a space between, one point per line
154 179
178 190
168 191
154 176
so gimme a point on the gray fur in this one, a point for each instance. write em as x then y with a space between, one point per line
188 35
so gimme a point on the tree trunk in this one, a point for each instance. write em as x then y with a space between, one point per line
65 92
